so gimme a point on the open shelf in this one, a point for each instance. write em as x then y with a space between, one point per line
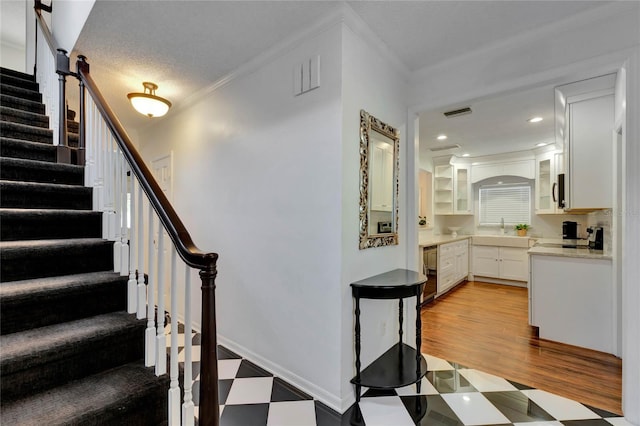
393 369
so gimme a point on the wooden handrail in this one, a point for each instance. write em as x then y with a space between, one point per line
51 41
187 250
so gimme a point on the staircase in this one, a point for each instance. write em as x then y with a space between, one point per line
69 351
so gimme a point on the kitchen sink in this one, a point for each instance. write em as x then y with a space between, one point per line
500 240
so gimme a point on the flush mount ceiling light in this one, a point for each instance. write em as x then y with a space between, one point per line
541 144
442 137
465 155
148 103
535 120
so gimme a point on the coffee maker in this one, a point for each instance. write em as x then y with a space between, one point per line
596 238
569 230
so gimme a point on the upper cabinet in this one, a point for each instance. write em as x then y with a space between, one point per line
548 166
443 189
452 187
587 135
462 195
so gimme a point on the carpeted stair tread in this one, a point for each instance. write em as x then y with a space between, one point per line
21 260
15 148
18 81
39 171
44 195
25 132
19 116
39 224
18 74
41 358
127 395
19 92
21 104
45 301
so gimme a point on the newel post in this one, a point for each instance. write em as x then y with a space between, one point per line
82 66
209 408
62 69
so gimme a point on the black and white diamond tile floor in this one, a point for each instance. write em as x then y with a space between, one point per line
450 394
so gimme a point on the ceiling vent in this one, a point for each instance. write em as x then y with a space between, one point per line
458 112
444 148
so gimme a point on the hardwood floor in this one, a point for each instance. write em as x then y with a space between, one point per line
485 326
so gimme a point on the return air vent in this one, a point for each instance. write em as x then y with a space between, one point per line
444 148
458 112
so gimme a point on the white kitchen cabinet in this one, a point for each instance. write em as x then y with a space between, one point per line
453 264
548 166
443 189
590 151
504 263
463 200
584 125
382 180
571 300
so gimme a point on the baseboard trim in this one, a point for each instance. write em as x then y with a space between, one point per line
330 400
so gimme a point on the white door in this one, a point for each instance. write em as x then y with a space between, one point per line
162 169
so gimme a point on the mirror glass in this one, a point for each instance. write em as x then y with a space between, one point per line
379 144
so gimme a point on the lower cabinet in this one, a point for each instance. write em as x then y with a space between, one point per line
505 263
453 264
571 301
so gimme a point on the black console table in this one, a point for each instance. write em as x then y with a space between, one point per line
401 365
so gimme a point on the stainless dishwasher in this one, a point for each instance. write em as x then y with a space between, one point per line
430 269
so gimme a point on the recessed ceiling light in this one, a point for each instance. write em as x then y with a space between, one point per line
541 144
442 137
465 155
535 120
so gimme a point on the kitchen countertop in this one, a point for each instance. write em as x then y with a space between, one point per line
435 240
542 248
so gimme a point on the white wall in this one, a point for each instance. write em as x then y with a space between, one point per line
13 35
372 83
67 19
257 179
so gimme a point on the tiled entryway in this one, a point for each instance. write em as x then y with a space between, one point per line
450 395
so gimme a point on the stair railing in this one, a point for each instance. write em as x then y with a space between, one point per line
52 61
123 190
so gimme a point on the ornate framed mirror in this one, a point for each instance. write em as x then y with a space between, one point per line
379 188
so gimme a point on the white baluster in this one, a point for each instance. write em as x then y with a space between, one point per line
88 147
132 302
187 405
124 216
150 333
174 389
142 295
117 208
161 339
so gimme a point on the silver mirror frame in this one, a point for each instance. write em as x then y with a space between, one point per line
369 123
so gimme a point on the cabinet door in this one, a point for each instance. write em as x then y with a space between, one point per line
590 153
545 178
485 261
463 201
514 264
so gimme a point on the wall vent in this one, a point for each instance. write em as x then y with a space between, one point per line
458 112
444 148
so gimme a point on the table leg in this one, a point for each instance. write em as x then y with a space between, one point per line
418 337
358 365
400 319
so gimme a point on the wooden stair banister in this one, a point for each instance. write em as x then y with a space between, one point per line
185 247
